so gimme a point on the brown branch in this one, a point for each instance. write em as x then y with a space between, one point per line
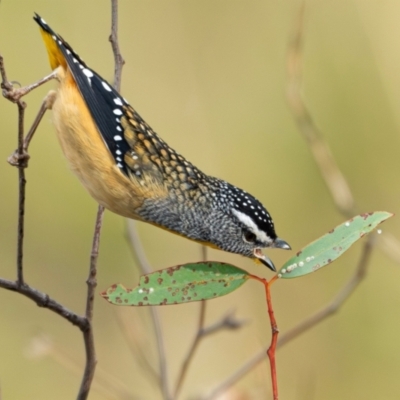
139 254
88 337
118 59
45 301
22 191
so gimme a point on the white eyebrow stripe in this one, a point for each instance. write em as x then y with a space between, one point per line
246 220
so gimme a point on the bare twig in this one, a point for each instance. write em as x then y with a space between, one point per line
43 300
21 201
118 60
138 253
88 337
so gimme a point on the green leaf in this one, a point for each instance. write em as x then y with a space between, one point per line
181 284
332 245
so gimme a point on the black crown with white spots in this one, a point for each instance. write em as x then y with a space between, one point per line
229 196
249 205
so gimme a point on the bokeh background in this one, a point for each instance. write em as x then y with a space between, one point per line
210 77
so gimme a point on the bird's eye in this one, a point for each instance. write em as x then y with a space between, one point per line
248 236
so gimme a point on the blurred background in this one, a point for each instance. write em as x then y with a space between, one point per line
210 77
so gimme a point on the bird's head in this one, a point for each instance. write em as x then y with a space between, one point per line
246 226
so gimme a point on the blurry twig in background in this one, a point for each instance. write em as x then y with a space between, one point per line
342 198
139 254
330 171
88 337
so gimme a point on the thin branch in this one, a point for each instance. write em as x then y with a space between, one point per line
88 337
43 300
139 254
21 198
118 59
327 311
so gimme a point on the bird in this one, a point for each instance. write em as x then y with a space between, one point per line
127 168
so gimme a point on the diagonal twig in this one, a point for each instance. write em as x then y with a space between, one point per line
333 177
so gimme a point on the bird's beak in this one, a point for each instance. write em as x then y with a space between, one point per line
264 259
281 244
278 244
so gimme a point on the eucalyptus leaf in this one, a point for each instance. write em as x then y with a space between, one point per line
329 247
180 284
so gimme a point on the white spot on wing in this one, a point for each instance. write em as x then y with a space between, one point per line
117 111
117 138
88 72
105 86
118 101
